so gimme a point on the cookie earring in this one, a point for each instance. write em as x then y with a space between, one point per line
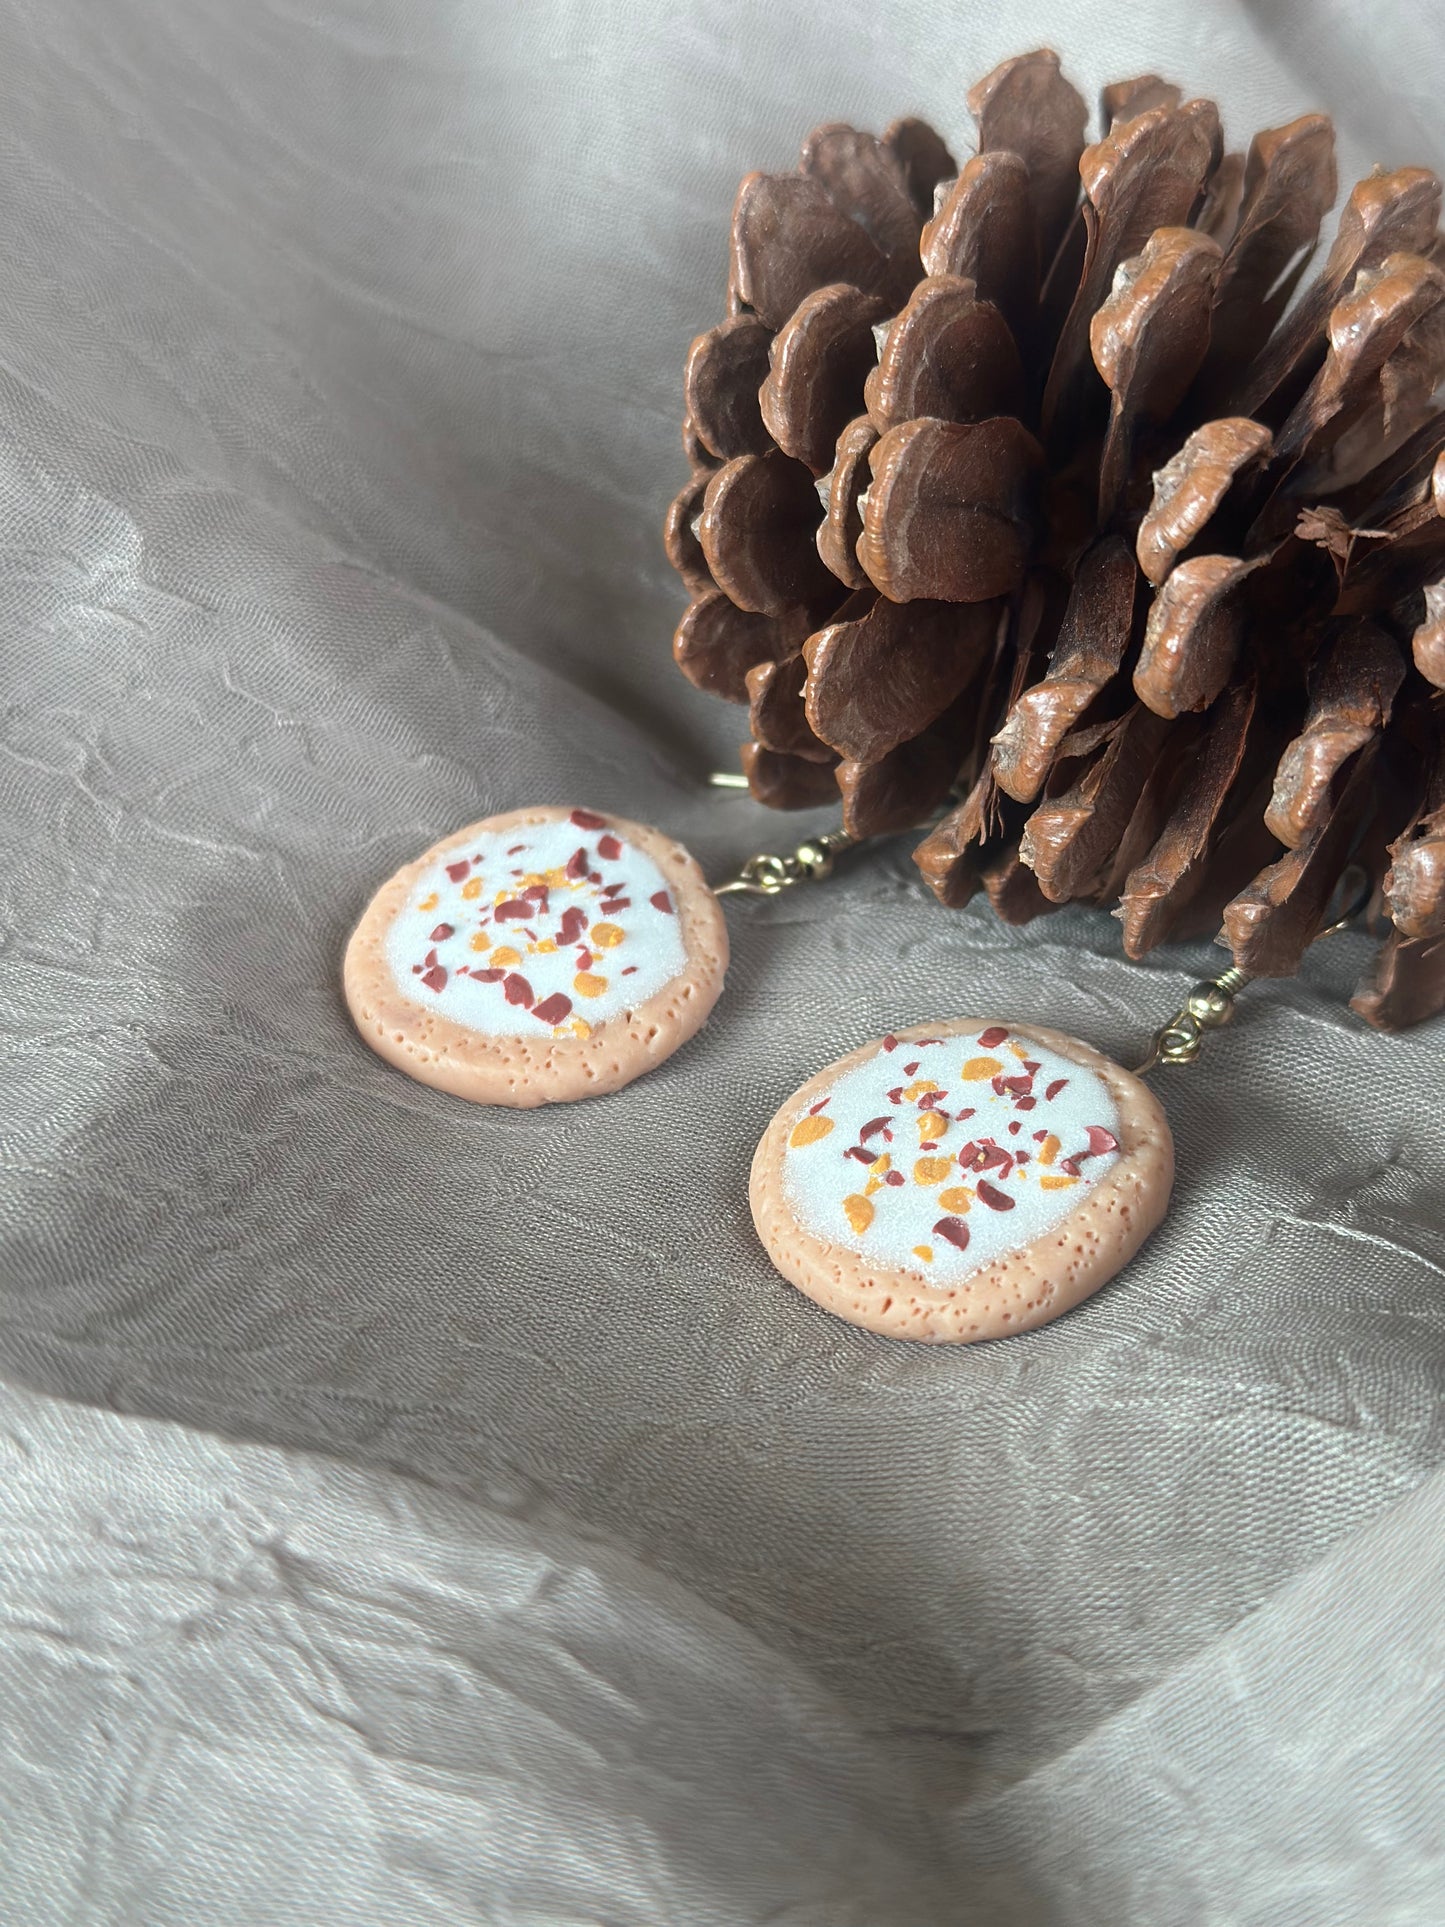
972 1179
549 954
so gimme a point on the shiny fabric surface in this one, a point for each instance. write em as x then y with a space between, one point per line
418 1512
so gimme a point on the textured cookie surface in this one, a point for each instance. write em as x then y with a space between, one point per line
961 1181
538 956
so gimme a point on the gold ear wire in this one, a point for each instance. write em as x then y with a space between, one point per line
765 875
1210 1005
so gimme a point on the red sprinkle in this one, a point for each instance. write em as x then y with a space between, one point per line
1031 1067
954 1230
1100 1143
993 1036
995 1199
488 976
442 932
517 990
660 900
574 922
821 1104
516 849
861 1152
890 1042
1053 1090
966 1112
588 820
609 847
611 905
584 959
456 871
552 1009
893 1177
631 971
435 978
514 907
577 864
909 1069
1014 1128
538 892
1026 1103
874 1124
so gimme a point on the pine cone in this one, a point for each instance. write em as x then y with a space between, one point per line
1060 507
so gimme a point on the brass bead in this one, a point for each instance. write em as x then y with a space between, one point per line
1210 1006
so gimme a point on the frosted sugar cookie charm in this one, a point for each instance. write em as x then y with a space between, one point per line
962 1180
538 956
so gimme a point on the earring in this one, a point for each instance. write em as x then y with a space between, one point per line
550 953
973 1179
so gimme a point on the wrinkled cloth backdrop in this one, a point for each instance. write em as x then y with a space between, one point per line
418 1512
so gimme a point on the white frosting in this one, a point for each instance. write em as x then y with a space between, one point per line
974 1158
600 931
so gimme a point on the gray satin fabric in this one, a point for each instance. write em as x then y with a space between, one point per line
415 1512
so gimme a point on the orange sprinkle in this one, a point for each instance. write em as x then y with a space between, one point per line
606 936
808 1130
979 1068
920 1087
429 903
581 1029
957 1198
504 956
587 985
546 946
860 1212
472 889
931 1170
1019 1052
1053 1181
931 1126
480 940
881 1163
925 1252
1049 1149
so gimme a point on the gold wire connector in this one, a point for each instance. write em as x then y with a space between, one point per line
769 876
1209 1006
